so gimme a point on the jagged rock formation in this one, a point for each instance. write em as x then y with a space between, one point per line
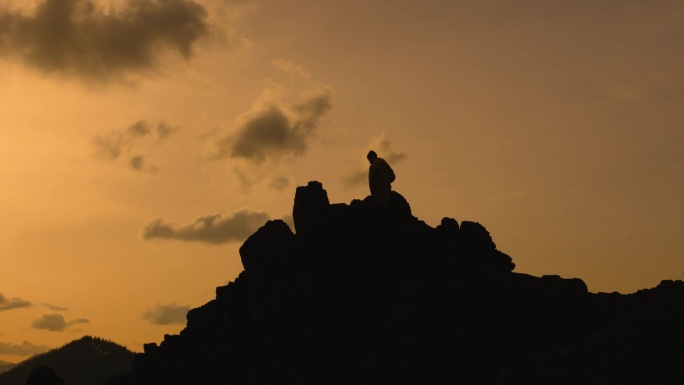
363 294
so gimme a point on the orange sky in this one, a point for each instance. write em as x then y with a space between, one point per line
142 141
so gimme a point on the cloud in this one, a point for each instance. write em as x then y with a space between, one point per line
273 129
209 228
279 183
25 349
167 314
164 130
55 322
139 129
383 147
355 178
18 303
139 163
79 38
290 68
54 307
132 139
109 146
13 303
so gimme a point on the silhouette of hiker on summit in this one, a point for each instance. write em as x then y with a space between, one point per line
380 178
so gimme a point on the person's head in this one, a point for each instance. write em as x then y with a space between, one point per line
371 156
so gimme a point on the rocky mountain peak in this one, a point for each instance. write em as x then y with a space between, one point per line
364 294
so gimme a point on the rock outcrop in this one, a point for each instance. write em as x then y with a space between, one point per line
362 294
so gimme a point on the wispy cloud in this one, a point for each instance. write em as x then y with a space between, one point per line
383 147
167 314
294 70
131 141
213 229
12 303
24 349
279 183
54 307
19 303
55 322
80 38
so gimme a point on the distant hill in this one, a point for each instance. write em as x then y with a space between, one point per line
366 295
5 366
86 361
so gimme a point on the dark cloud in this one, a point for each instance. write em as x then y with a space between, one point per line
276 130
12 303
167 314
139 163
119 142
55 322
139 129
76 37
164 130
209 228
25 349
113 144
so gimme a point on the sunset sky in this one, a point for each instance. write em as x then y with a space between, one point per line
141 141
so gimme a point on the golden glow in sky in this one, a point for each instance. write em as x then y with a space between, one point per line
142 141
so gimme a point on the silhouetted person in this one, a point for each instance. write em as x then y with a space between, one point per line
43 375
380 178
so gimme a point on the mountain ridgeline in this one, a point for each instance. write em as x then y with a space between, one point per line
5 366
363 294
86 361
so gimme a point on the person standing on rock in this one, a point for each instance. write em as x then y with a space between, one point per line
380 178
